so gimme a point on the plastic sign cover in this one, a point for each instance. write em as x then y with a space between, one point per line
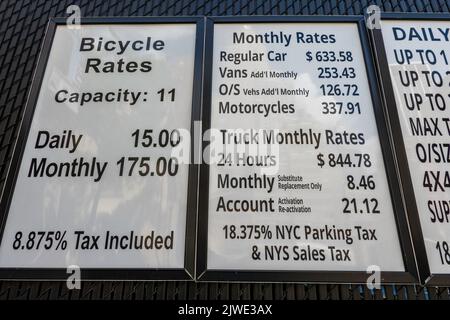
98 186
418 56
297 179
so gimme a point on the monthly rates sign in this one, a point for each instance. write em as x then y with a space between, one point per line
98 185
297 179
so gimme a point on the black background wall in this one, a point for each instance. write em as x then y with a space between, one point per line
22 27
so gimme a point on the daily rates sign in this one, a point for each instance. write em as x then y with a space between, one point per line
98 186
297 175
418 58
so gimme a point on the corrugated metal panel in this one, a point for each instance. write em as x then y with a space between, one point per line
22 26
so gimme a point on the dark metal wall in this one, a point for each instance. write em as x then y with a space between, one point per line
22 27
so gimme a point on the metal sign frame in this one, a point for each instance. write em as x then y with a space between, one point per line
390 106
191 213
204 274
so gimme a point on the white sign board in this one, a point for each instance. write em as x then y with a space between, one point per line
98 186
297 180
418 56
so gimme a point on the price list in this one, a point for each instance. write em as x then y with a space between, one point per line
418 53
99 184
297 178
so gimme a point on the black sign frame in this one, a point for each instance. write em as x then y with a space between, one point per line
390 106
186 273
203 273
